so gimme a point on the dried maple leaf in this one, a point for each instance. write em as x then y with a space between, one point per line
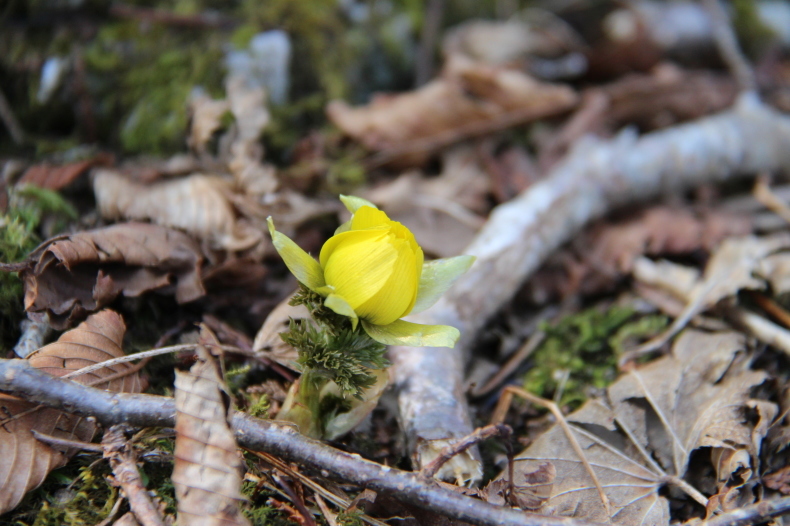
469 99
207 471
199 204
642 436
25 461
69 276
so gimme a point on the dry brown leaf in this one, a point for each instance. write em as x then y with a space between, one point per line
659 414
198 204
443 212
607 251
268 341
24 461
248 105
208 468
734 264
206 114
469 99
69 276
55 177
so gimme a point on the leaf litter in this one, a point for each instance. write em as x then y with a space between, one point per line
24 460
641 436
207 210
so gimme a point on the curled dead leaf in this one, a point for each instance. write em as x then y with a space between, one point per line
469 99
199 204
25 461
69 276
207 471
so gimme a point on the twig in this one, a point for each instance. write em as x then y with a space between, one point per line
65 443
727 44
307 517
524 352
18 378
596 177
340 502
763 193
138 356
771 307
477 436
123 462
331 518
502 407
752 514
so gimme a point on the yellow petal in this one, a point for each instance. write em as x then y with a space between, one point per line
300 263
367 217
359 265
412 334
397 295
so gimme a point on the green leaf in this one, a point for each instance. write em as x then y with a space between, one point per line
354 203
412 334
300 263
341 306
436 278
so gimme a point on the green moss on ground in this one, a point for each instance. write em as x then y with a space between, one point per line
580 352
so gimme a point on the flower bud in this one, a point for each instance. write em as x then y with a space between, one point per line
375 266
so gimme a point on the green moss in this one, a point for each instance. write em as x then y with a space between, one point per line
577 346
75 495
752 33
28 206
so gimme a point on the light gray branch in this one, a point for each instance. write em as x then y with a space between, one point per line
597 177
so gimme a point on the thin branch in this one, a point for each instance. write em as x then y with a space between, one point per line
727 43
10 121
123 460
18 378
477 436
752 514
65 443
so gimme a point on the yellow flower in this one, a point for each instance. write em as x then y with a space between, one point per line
372 271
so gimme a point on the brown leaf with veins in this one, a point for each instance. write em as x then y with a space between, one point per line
54 177
24 461
207 471
69 276
201 205
469 99
643 434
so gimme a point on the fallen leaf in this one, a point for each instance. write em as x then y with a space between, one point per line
643 436
268 341
469 99
779 480
606 252
69 276
208 468
443 212
206 118
199 204
55 177
25 461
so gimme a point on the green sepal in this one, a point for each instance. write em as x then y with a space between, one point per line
354 203
341 306
345 227
412 334
437 276
300 263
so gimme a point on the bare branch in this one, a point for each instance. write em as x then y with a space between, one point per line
18 378
752 514
596 177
